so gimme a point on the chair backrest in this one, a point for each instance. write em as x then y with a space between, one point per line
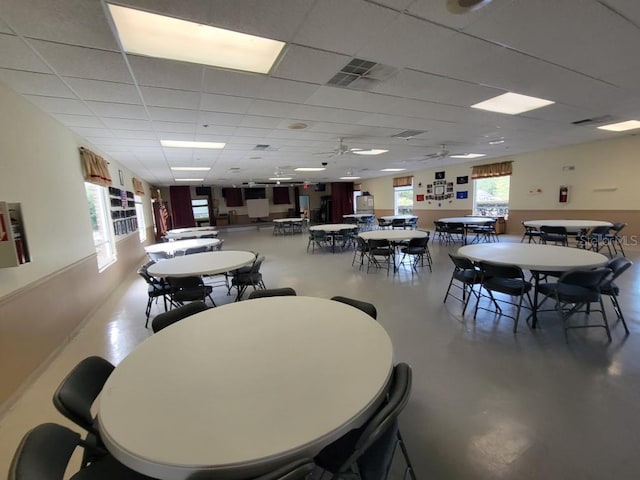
366 307
419 241
454 227
379 243
44 453
255 268
296 470
163 320
272 292
180 283
601 231
192 250
382 222
386 417
439 226
490 269
398 222
462 263
590 279
209 235
546 229
156 256
618 265
618 226
78 391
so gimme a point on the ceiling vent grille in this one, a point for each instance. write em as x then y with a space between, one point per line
263 148
408 134
361 74
591 121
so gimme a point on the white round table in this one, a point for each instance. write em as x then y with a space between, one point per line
180 245
534 257
571 225
393 235
467 220
189 234
285 220
208 263
332 229
192 229
389 218
358 215
237 390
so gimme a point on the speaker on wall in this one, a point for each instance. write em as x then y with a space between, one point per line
203 190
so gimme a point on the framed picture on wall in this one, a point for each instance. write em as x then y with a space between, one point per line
439 175
461 195
462 180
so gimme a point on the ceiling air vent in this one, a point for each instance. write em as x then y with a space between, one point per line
408 134
361 74
591 121
263 148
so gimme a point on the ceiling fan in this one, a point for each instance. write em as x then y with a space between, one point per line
440 154
341 149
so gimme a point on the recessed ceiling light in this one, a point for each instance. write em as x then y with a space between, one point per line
190 169
189 179
373 151
309 169
621 126
468 155
393 170
496 142
349 178
154 35
186 144
512 103
281 178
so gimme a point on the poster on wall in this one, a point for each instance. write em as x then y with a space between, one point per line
440 175
419 198
461 195
462 180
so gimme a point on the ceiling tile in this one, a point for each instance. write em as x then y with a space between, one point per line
79 120
224 103
118 110
173 115
59 105
309 65
166 97
17 55
155 72
35 83
104 91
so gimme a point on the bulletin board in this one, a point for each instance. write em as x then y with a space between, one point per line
258 208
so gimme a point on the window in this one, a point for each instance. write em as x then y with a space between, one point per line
142 228
491 196
200 209
99 213
403 200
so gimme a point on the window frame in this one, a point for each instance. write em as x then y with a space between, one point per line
101 225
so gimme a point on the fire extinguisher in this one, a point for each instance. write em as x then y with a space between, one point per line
564 194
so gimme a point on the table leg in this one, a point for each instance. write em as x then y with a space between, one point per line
534 307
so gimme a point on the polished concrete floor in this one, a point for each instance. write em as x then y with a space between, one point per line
485 404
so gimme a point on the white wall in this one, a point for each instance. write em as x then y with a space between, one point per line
606 177
40 168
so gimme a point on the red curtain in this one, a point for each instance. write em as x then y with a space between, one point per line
180 200
341 199
233 197
281 196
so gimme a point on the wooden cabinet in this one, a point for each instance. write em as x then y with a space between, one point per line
14 250
123 211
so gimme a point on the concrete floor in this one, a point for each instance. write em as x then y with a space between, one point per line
485 404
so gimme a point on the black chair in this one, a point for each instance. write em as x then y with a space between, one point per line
272 292
76 395
412 223
555 235
380 253
157 256
455 232
367 452
531 234
366 307
383 224
156 288
189 289
506 279
574 292
200 249
485 232
440 231
618 265
163 320
467 275
296 470
252 278
417 248
318 238
361 250
615 240
595 239
45 452
398 223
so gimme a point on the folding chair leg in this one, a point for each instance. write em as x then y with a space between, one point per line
618 310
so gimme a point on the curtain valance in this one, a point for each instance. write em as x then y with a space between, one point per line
491 170
403 181
137 186
96 169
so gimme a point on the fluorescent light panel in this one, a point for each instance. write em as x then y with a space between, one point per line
512 103
190 169
187 144
373 151
189 179
621 126
349 178
393 170
309 169
281 178
468 155
154 35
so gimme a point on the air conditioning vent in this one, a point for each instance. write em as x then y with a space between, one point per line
591 121
262 148
361 74
408 134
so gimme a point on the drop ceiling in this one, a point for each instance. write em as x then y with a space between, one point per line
64 57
